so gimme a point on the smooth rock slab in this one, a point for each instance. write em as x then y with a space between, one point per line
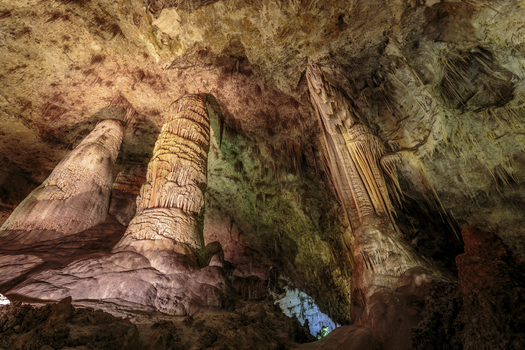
128 278
12 268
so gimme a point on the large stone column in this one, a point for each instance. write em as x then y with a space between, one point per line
171 202
155 265
76 195
388 275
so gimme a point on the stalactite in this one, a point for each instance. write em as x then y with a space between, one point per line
353 153
366 150
173 195
389 164
294 156
76 194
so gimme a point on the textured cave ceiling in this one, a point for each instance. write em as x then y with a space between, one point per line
441 80
62 61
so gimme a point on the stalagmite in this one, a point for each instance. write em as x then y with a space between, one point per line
172 198
160 262
76 195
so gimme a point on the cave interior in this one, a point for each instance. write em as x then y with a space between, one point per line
271 174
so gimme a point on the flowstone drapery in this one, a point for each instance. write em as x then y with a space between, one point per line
76 194
353 155
362 173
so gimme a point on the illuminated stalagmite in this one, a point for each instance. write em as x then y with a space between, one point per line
362 172
171 200
156 264
76 194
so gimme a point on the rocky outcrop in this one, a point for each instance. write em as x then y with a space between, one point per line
346 338
75 196
485 309
252 325
59 326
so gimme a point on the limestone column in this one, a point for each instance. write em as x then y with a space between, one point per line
171 201
76 195
385 263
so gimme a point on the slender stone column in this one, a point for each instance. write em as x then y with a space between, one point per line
171 201
75 196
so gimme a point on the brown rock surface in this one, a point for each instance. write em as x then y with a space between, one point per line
61 326
126 188
252 325
492 283
346 338
485 309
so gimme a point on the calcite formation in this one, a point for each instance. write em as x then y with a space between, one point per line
353 154
76 194
157 263
172 198
124 193
416 132
384 261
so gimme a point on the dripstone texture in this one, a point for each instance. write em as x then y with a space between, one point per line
75 196
430 92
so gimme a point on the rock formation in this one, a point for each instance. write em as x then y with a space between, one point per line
124 193
155 266
61 325
350 145
386 267
76 195
467 314
171 202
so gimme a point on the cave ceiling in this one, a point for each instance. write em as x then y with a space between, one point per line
440 79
